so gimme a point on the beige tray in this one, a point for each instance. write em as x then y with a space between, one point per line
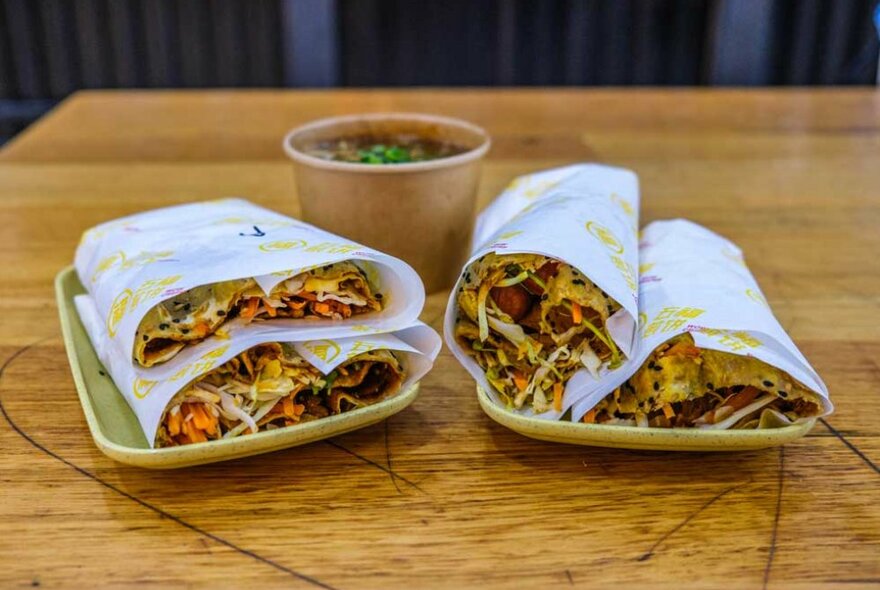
631 437
119 436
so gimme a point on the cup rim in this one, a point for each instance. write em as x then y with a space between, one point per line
315 162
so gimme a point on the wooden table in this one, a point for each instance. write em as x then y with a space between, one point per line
440 495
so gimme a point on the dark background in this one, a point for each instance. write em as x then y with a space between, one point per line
50 48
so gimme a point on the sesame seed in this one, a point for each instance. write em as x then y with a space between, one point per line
768 383
656 386
146 337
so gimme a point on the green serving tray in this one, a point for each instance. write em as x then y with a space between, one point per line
632 437
118 434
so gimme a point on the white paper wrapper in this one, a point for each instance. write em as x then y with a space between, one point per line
129 265
693 280
585 215
148 395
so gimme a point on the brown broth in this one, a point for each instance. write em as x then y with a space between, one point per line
371 149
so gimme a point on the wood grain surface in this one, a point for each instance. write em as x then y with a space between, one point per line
439 495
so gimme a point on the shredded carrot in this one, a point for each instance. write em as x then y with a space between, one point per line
193 433
201 420
576 315
197 435
202 329
307 295
590 417
248 364
740 400
668 411
520 380
269 309
251 309
298 410
322 308
296 304
557 397
288 406
174 422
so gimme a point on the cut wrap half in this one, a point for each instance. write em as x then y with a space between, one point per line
531 322
681 385
271 386
335 291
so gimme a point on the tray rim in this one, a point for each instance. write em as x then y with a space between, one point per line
211 451
635 438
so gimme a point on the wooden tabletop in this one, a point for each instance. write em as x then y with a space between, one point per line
439 495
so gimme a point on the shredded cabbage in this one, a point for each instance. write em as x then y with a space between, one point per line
739 414
513 332
482 320
590 360
228 403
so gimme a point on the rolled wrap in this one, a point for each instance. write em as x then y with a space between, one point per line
259 367
548 303
165 281
710 352
270 386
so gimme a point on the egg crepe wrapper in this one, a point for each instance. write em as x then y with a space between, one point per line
416 345
130 265
696 282
583 215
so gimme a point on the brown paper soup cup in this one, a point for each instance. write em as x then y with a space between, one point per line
420 211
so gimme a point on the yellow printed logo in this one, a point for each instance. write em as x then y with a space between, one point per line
514 184
119 259
757 297
626 271
605 236
326 350
357 348
734 341
281 245
364 329
623 204
142 387
128 301
108 263
643 268
539 189
117 311
510 234
97 233
669 319
732 254
333 248
207 361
